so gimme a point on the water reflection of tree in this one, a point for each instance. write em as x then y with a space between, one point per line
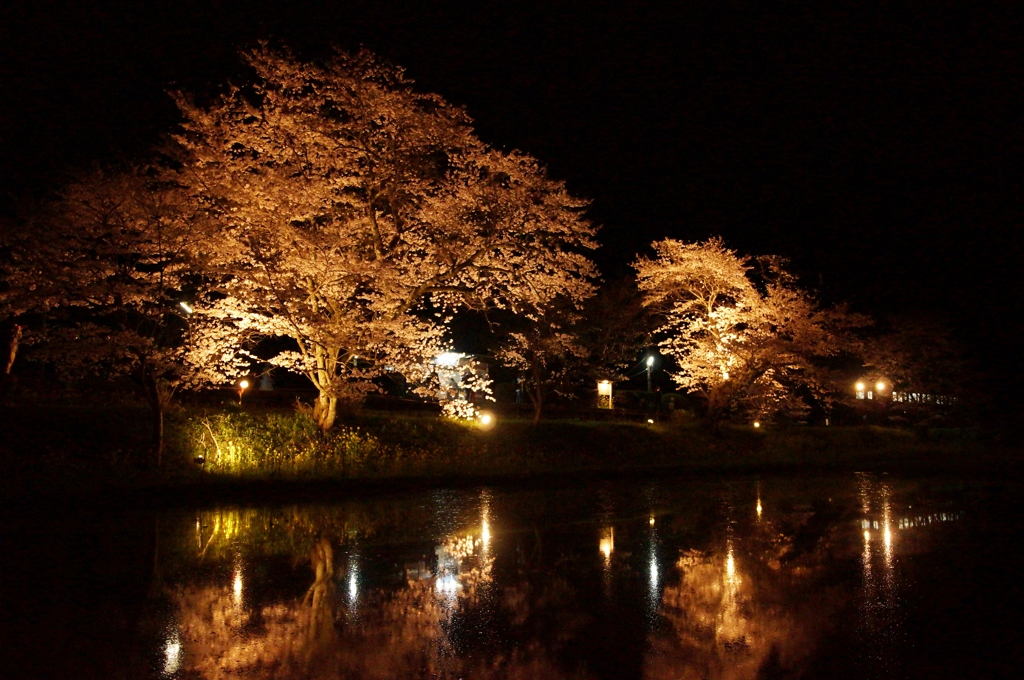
290 530
752 609
400 632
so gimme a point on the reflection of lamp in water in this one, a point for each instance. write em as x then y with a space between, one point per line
485 519
237 587
887 526
607 543
759 508
652 520
447 585
172 654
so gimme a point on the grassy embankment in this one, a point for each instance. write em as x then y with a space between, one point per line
95 447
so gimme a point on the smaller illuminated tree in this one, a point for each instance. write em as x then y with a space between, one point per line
108 262
743 334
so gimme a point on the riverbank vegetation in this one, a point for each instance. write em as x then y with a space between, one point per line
102 447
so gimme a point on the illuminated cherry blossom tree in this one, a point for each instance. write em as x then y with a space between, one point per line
354 215
744 336
107 263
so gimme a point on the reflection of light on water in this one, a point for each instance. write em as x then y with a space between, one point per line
447 588
447 585
731 619
446 582
654 583
607 543
758 507
237 586
353 582
172 654
485 520
881 617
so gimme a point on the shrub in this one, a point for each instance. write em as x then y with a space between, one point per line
275 444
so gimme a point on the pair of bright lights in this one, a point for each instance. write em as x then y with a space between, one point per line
878 386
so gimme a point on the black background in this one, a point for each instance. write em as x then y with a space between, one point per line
877 146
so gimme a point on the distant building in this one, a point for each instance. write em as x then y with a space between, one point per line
877 387
452 368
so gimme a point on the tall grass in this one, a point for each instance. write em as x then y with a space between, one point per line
273 444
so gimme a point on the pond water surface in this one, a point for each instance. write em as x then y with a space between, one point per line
819 577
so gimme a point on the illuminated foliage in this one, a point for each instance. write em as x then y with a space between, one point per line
354 215
107 263
741 341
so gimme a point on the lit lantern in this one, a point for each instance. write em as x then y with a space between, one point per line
604 394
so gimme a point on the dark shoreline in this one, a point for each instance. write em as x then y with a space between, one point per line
207 492
95 456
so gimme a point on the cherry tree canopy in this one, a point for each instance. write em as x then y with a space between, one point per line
354 215
106 264
740 342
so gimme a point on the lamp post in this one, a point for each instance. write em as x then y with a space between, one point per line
242 386
650 363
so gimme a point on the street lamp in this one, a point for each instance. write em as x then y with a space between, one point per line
650 363
242 387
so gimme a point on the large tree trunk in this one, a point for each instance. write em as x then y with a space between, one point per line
157 399
325 411
718 402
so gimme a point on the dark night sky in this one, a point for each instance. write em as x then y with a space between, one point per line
878 147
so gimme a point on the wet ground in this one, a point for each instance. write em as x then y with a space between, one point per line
865 576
